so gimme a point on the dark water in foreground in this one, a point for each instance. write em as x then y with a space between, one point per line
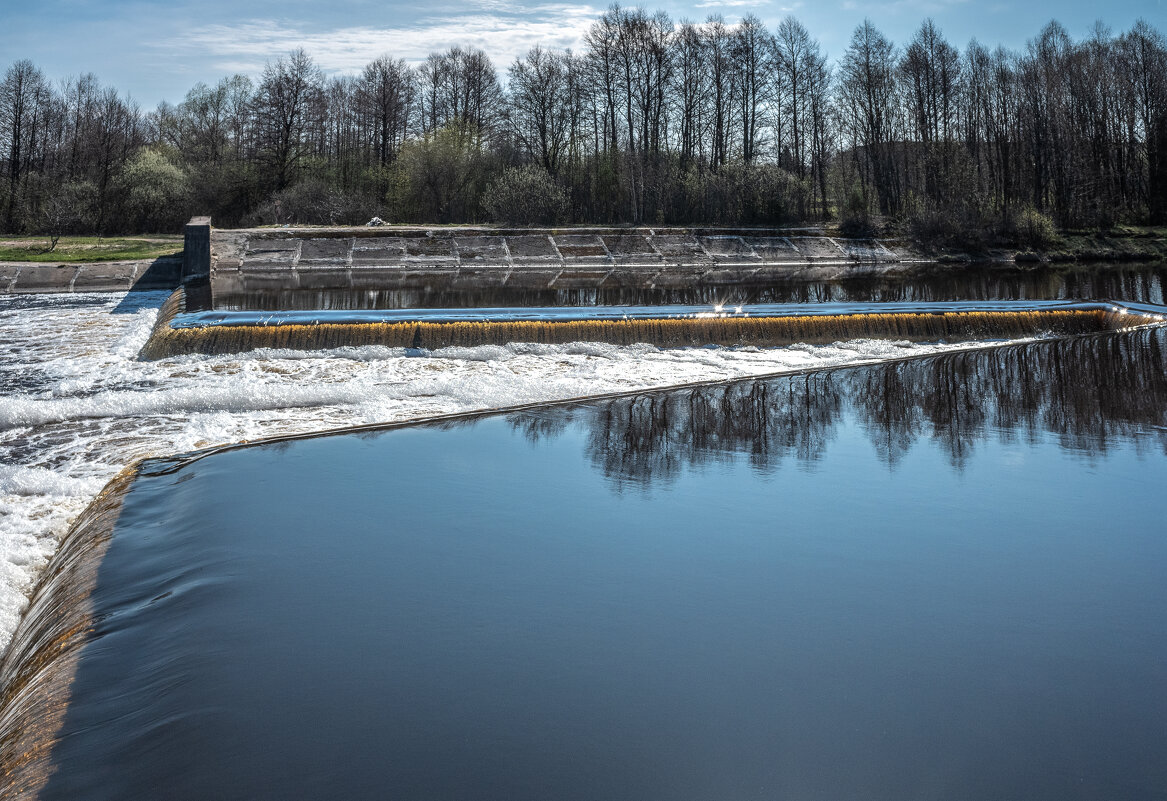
932 579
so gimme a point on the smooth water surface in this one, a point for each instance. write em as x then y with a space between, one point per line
940 578
977 282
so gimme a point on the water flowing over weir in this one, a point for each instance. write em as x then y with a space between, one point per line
39 665
216 332
676 629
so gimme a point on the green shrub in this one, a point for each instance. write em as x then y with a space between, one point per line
525 196
955 226
1031 228
856 218
156 192
308 202
441 175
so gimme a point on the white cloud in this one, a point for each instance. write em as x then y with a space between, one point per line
902 6
731 3
245 46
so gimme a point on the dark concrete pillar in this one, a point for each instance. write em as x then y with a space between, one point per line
196 252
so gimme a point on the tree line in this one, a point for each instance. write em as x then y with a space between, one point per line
653 121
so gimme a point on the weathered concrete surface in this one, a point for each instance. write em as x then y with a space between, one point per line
109 276
314 259
8 275
196 250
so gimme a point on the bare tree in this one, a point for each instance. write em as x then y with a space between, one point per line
541 108
723 86
460 87
1144 68
820 108
288 100
651 120
692 89
868 103
930 70
752 48
388 90
23 95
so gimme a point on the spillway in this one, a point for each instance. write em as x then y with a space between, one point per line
181 332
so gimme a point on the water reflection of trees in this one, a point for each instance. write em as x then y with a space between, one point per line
1089 393
1141 283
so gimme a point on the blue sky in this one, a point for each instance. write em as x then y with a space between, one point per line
155 50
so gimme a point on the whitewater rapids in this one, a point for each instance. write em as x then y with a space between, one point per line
76 405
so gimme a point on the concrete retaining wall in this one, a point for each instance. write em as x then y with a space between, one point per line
110 276
346 259
474 258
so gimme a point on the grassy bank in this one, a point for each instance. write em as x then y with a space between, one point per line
80 249
1121 243
1118 244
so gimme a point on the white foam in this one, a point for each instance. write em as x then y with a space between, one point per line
76 406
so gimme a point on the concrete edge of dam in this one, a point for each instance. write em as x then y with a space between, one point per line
110 276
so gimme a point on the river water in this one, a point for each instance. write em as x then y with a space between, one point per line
942 283
76 405
933 578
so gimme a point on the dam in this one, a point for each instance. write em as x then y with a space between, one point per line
875 513
910 569
328 288
284 265
732 408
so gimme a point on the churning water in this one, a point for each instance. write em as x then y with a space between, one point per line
76 405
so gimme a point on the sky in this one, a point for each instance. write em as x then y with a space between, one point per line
156 50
